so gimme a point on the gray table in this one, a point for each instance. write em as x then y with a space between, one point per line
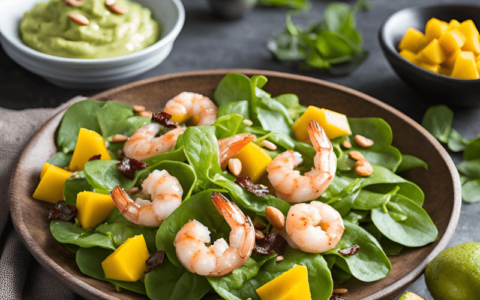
210 43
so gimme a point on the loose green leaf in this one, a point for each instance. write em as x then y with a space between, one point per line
227 126
470 168
285 3
438 121
233 87
472 150
456 142
68 233
110 115
410 162
471 191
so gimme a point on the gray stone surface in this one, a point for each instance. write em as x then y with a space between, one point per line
210 43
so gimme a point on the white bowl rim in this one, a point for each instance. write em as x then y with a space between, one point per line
170 37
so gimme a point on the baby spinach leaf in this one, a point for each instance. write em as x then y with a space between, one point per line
291 103
60 159
389 158
249 200
73 186
238 107
416 230
368 200
79 115
472 150
174 155
273 116
319 277
375 129
471 191
470 168
370 263
233 87
285 3
89 262
356 216
438 121
456 142
227 126
110 115
390 247
68 233
122 230
410 162
169 282
199 207
339 275
130 125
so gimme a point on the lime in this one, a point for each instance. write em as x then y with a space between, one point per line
410 296
455 273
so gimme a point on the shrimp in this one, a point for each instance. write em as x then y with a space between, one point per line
228 147
143 143
166 194
289 184
193 104
315 227
219 258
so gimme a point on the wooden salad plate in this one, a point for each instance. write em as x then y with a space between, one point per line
441 183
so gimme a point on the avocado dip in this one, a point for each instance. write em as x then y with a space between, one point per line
89 28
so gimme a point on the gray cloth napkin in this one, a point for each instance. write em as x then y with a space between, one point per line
21 276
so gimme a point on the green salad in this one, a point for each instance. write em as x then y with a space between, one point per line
230 193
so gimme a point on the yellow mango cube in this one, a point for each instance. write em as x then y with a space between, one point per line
44 169
429 67
50 188
450 61
254 161
453 24
334 124
445 71
472 44
291 285
180 119
465 66
412 40
89 144
435 29
468 29
477 63
432 53
127 263
408 55
93 208
451 40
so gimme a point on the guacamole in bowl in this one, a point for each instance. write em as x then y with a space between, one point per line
89 29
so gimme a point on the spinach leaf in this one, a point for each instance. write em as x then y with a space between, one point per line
416 230
356 216
233 87
79 115
130 125
368 200
370 263
285 3
227 126
73 186
319 277
472 150
68 233
340 275
123 229
438 121
273 116
471 191
237 107
389 158
177 154
292 104
470 168
410 162
169 282
390 247
60 159
89 261
456 142
198 207
110 115
375 129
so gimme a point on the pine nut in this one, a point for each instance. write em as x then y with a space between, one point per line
146 113
78 19
138 108
247 122
118 10
235 166
275 217
356 155
269 145
259 235
109 2
74 3
363 168
133 190
346 144
119 138
279 258
363 141
259 225
340 291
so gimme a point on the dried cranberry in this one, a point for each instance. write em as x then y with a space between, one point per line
336 297
164 119
272 243
156 259
128 167
95 157
352 250
62 211
259 190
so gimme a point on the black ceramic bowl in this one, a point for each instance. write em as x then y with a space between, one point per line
435 87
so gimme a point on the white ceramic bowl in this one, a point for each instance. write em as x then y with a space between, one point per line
90 73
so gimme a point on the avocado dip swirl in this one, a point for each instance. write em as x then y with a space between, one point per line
54 28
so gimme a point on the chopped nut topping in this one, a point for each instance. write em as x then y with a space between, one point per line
275 217
133 190
259 235
128 167
74 3
352 250
235 166
340 291
269 145
156 259
247 122
62 211
272 243
164 119
346 144
117 9
363 141
119 138
259 190
279 258
356 155
363 168
109 2
78 19
136 108
147 114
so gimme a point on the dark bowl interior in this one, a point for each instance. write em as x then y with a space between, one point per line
435 88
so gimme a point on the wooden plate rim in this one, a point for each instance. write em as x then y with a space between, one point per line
86 290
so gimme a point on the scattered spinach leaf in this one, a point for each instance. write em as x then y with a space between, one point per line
471 191
438 121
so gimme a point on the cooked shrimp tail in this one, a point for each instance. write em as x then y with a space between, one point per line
228 147
193 104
